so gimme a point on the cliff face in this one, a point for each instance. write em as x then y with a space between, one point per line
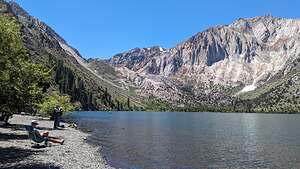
246 53
251 59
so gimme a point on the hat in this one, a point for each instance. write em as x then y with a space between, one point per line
34 122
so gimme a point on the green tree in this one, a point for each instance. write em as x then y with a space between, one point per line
128 104
22 83
54 99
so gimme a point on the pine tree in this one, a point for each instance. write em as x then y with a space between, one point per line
128 103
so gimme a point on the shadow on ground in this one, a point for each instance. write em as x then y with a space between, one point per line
17 158
12 136
32 166
15 127
14 154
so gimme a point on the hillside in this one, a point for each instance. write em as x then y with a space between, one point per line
248 65
45 46
219 67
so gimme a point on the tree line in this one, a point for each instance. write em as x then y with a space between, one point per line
70 83
30 87
22 83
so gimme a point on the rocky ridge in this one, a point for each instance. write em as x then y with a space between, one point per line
47 47
245 55
246 60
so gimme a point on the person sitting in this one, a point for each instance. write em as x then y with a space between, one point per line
45 134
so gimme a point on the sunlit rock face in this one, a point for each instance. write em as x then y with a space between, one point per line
246 53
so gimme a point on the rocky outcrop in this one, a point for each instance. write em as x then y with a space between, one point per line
247 53
211 68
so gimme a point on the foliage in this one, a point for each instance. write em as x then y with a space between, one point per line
69 83
22 83
54 99
158 105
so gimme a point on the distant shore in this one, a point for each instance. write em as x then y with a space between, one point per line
16 151
169 111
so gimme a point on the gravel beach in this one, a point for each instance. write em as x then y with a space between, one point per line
16 151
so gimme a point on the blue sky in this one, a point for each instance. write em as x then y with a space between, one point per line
102 28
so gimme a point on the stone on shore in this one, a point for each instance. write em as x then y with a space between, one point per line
16 151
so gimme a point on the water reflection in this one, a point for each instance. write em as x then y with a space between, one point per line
195 140
249 127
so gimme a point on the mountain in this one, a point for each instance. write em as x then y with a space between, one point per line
72 75
249 65
239 63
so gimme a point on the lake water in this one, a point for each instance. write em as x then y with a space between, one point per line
169 140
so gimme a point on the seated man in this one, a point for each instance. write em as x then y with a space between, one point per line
45 134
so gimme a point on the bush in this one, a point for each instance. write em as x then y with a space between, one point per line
54 99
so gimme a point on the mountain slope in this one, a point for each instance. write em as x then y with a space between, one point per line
249 65
47 47
216 65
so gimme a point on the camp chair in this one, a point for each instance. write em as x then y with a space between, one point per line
35 137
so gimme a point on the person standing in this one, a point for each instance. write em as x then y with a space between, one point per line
56 113
60 112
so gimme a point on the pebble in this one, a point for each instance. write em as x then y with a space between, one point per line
74 154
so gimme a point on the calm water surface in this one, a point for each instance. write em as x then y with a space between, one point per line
169 140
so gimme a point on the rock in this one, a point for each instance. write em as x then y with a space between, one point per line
247 52
74 154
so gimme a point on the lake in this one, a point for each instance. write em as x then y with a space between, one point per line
183 140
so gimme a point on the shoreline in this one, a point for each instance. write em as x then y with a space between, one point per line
16 151
283 113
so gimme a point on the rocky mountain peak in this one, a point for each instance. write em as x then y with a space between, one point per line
245 53
12 8
265 19
136 58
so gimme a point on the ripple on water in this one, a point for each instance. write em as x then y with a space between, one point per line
194 140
